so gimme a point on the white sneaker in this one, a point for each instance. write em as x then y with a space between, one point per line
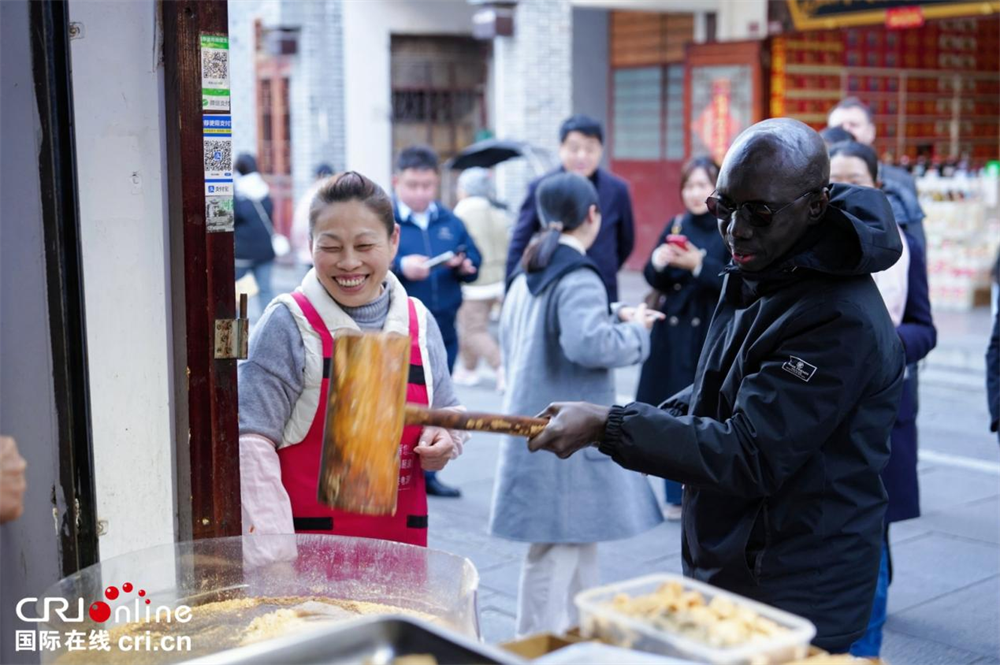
465 377
501 381
673 513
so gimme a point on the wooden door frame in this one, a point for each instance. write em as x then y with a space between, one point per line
750 52
76 509
202 289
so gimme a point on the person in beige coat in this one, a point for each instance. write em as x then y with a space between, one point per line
489 227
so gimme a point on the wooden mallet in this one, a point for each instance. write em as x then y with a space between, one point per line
365 416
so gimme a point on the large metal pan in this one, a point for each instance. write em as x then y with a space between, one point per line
376 640
230 582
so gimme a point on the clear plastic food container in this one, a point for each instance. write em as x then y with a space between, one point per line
599 620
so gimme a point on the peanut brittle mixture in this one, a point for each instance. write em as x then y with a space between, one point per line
719 623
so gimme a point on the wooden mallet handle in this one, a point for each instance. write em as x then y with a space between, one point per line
474 422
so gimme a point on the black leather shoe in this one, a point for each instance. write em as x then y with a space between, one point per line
436 488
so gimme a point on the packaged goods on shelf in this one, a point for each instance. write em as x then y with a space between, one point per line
963 235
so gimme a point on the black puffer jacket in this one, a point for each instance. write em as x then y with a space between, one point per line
782 436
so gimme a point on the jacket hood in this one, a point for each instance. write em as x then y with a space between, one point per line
905 206
251 186
564 261
857 236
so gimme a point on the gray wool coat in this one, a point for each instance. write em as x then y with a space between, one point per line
561 346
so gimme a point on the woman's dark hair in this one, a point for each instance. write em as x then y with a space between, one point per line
563 202
352 186
863 152
245 163
703 162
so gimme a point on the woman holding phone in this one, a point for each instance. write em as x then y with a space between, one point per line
685 273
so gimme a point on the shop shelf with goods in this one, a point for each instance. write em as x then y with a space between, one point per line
934 91
963 236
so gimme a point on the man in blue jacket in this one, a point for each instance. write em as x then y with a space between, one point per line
427 229
581 144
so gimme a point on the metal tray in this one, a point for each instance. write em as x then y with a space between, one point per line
371 641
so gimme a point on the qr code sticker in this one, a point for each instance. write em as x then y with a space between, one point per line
214 65
219 214
218 155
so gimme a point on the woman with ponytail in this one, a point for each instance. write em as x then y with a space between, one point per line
560 340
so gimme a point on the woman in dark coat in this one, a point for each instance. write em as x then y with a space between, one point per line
252 212
688 279
919 337
910 311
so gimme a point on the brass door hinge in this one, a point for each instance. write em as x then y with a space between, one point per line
232 336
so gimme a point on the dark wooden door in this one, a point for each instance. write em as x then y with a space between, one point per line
202 284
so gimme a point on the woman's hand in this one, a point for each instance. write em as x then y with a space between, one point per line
689 258
12 483
436 448
413 268
640 314
661 257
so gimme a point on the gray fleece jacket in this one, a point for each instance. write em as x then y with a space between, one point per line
561 345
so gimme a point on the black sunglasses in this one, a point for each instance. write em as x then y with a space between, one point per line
760 213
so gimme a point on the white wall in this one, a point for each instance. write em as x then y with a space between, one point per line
746 19
534 86
29 547
735 19
683 6
368 27
118 99
317 95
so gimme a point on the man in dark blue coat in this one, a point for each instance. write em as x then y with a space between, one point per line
780 440
855 116
428 229
580 150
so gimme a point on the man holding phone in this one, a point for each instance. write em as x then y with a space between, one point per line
436 253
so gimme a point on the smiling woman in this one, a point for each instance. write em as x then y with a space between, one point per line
354 238
284 382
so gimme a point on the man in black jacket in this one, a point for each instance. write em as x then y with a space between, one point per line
580 149
781 438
